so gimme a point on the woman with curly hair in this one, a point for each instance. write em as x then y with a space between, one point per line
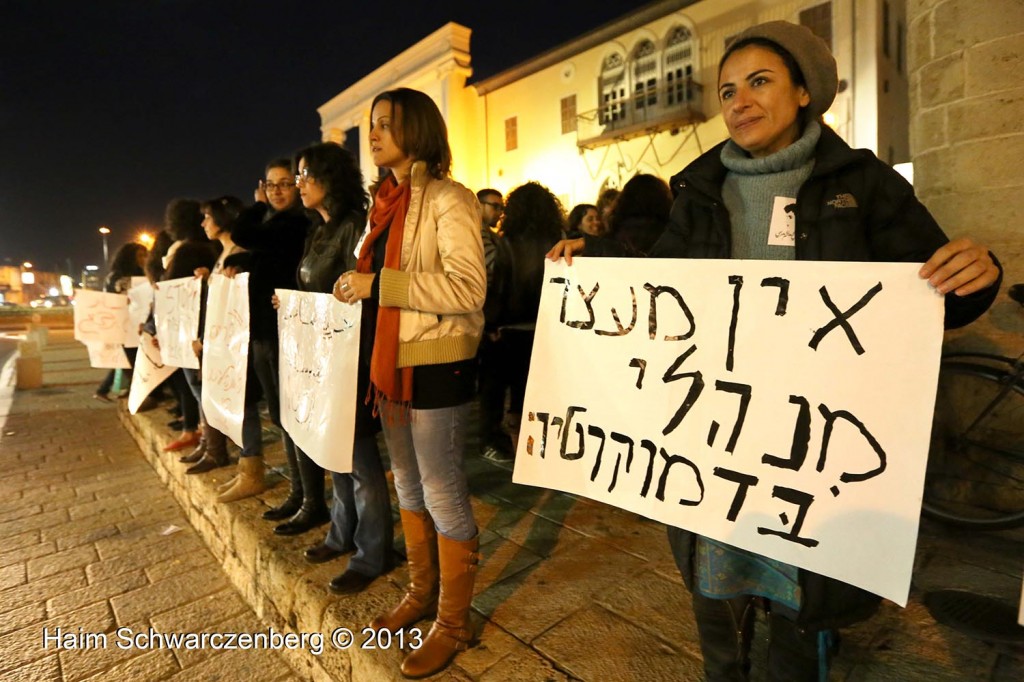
583 219
533 224
331 186
640 213
423 265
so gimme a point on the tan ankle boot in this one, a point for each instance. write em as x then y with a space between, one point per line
420 598
451 632
249 482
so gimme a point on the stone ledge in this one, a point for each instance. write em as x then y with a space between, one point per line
289 594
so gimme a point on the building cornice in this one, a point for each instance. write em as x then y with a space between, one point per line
598 36
443 51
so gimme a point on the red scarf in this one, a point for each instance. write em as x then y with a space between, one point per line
390 204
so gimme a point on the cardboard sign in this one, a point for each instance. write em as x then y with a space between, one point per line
226 354
319 349
176 308
781 407
100 317
140 305
149 372
107 355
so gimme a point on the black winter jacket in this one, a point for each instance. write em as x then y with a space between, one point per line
275 243
853 207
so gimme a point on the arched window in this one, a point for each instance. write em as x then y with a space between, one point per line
678 66
613 89
645 75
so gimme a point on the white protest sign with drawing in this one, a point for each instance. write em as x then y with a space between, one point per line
100 317
176 308
140 304
319 349
148 373
107 355
781 407
226 353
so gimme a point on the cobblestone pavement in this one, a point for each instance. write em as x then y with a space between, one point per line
568 589
91 542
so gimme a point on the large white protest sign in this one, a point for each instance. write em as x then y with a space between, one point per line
226 353
176 308
140 304
100 317
107 355
149 372
319 350
781 407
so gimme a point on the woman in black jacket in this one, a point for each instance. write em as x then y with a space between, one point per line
775 82
331 186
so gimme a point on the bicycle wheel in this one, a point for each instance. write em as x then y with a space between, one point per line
975 476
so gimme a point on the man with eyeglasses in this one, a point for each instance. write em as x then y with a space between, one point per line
274 229
495 443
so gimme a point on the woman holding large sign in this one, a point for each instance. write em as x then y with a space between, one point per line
424 242
783 187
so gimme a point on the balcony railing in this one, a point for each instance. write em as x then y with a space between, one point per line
671 105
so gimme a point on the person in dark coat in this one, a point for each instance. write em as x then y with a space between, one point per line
775 82
274 229
640 213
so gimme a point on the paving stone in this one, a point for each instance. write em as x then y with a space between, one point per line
86 661
531 601
70 531
122 543
661 607
12 575
44 670
19 541
98 591
153 599
522 665
40 590
237 665
539 535
27 644
175 545
13 513
86 537
181 565
492 645
501 559
595 644
154 665
19 618
212 608
43 566
34 522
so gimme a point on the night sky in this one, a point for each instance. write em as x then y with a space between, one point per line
109 108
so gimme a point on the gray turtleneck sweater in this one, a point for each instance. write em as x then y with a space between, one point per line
750 189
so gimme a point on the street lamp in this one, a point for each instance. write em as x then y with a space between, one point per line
105 231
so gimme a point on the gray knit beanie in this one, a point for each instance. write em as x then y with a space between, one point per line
811 54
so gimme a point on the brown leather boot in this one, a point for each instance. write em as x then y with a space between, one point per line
420 598
216 454
451 632
250 480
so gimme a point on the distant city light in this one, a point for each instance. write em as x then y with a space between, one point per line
67 285
104 230
28 278
146 239
54 291
92 268
26 264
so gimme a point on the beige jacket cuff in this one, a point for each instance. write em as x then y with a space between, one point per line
394 288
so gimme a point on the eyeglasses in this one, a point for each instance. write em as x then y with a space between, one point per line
495 205
303 176
283 185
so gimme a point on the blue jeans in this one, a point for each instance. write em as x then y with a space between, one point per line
361 514
426 458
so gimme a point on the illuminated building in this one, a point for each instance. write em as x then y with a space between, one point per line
637 95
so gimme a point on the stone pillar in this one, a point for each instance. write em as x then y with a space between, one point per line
966 59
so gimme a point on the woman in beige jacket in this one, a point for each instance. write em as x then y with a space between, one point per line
424 241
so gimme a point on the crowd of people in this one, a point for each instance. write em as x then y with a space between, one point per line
450 283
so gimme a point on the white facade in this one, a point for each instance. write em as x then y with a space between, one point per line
637 95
